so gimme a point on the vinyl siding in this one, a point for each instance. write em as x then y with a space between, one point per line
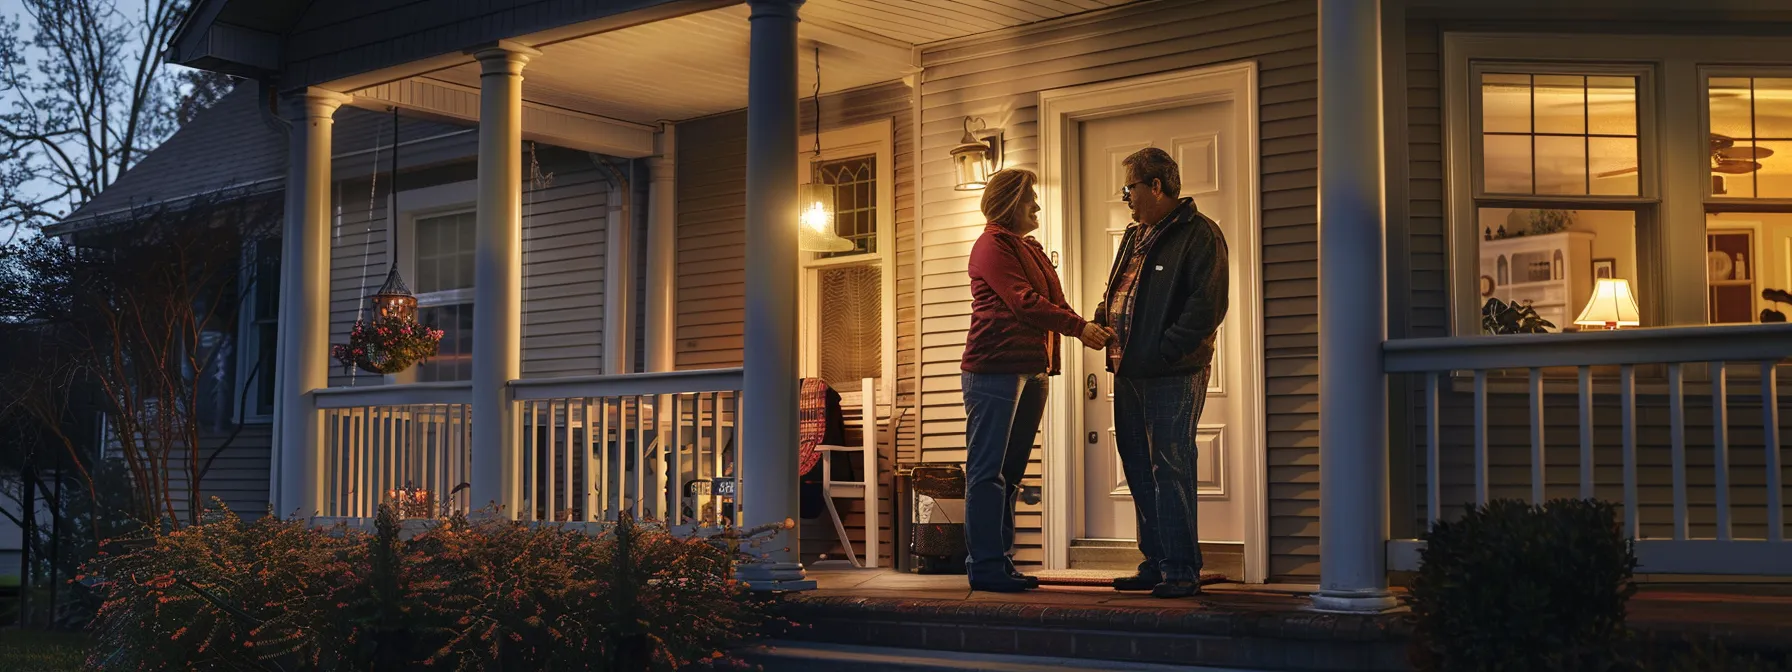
999 80
563 260
238 475
1425 290
711 263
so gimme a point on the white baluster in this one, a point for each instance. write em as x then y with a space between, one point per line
1586 432
1720 447
1677 416
1627 402
1770 424
1480 436
1538 464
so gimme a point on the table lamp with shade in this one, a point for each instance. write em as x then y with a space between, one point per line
1612 306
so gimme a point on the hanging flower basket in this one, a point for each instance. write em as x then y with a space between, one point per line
391 340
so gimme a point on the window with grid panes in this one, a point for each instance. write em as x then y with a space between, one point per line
846 313
444 287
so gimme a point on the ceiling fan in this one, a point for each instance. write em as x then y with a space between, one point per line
1726 158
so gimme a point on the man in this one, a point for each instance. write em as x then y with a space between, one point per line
1165 298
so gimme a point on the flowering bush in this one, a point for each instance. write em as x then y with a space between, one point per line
387 345
496 594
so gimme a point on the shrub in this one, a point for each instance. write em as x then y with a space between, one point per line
495 594
1512 586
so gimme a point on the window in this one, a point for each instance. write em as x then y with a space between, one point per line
443 265
1748 214
1558 185
847 312
261 330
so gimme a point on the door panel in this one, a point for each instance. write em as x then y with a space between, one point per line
1200 138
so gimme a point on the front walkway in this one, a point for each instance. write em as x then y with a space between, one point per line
1231 625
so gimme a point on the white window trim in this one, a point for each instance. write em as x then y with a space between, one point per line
1673 292
445 199
875 138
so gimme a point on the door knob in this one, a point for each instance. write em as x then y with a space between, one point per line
1091 386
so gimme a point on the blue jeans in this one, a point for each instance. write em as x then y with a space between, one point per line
1155 420
1002 414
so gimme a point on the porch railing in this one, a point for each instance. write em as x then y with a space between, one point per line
403 443
1693 457
658 446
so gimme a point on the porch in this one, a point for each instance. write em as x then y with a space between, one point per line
1264 626
667 444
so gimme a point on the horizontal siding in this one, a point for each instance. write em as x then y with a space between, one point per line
711 261
237 474
1000 79
563 260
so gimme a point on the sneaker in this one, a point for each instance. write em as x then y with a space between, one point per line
1174 589
1137 582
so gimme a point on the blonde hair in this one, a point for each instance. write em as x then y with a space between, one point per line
1004 193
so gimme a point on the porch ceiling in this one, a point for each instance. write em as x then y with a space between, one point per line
695 64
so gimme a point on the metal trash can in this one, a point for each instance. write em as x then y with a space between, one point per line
937 518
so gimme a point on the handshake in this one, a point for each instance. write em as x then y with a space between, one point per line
1095 336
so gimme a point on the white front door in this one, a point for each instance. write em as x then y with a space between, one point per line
1202 138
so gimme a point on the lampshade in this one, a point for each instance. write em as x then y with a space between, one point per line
815 220
1612 306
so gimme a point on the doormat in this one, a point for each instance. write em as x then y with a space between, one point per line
1102 577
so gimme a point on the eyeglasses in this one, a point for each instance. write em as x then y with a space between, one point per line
1126 191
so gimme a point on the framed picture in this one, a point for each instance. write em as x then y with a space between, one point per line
1605 268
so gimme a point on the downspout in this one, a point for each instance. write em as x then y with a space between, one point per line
269 97
618 268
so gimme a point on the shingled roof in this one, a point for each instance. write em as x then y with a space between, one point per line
232 145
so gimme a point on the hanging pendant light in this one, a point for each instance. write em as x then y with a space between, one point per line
816 231
394 299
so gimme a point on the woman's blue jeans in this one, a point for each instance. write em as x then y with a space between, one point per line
1002 414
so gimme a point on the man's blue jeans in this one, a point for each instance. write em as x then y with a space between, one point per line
1155 420
1002 414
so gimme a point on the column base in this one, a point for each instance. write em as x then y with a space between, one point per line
774 576
1354 602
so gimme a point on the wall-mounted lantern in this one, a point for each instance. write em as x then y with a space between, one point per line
978 154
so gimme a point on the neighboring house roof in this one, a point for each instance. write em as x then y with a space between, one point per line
232 145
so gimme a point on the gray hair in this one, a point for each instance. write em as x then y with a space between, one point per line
1155 164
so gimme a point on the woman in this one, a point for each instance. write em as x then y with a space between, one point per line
1018 312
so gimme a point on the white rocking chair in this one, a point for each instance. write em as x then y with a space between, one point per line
864 489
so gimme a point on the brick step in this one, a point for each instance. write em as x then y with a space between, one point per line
1246 639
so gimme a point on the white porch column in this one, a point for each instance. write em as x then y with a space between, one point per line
498 277
1352 312
768 432
304 340
661 310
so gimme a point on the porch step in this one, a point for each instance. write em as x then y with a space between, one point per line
794 656
1176 633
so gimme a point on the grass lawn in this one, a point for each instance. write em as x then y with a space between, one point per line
40 651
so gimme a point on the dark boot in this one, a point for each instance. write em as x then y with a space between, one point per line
1000 584
1014 573
1174 589
1141 581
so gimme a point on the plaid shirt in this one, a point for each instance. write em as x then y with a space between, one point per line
1125 287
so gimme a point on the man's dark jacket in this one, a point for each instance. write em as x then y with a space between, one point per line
1180 297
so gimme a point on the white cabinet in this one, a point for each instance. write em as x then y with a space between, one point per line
1553 273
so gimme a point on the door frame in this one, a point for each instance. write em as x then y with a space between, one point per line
1060 114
